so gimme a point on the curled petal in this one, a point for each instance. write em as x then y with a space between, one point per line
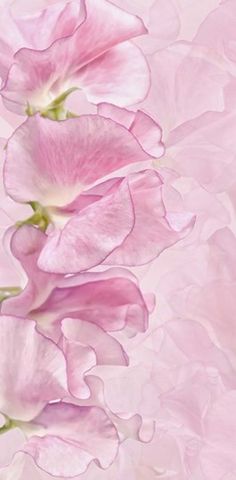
26 244
111 300
143 127
32 369
88 238
87 345
53 22
36 77
155 228
74 437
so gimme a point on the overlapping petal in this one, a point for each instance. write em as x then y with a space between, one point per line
203 149
144 128
175 95
111 300
74 437
137 247
32 369
87 345
89 378
68 155
37 77
36 31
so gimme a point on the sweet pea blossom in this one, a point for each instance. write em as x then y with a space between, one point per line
90 48
33 376
86 309
96 383
100 222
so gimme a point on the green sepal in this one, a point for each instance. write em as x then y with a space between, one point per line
54 110
9 425
40 218
8 292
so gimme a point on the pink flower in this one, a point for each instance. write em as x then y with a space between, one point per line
102 222
110 299
56 21
33 373
80 49
86 309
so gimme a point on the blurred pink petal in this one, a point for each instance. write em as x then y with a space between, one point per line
203 149
217 31
217 456
186 82
168 20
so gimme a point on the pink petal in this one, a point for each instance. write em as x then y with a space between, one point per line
143 127
54 22
88 238
119 115
172 99
218 457
87 345
67 155
148 133
80 359
26 245
209 141
15 470
217 31
10 212
111 300
37 75
32 369
74 437
193 340
162 228
128 81
107 349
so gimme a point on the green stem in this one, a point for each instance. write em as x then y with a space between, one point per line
40 217
7 292
8 426
54 110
